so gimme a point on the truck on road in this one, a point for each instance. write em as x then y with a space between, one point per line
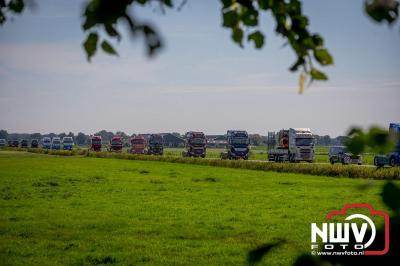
68 143
393 158
95 143
195 144
237 146
339 154
56 143
138 145
116 144
156 145
293 145
34 143
46 143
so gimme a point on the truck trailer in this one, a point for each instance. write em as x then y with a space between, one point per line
237 145
195 144
293 145
393 158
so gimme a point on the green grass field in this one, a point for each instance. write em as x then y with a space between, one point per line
86 211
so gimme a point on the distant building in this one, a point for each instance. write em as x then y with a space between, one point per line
216 141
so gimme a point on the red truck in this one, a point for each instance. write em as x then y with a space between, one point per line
138 145
195 144
116 144
95 143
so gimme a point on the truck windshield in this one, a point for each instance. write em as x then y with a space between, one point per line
239 141
198 141
138 141
96 141
304 141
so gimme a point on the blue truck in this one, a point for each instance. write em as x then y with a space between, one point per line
237 145
67 143
46 143
56 143
393 158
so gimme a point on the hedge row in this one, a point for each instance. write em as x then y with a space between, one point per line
352 171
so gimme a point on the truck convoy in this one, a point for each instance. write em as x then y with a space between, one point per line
138 145
156 145
293 145
95 143
116 144
195 144
67 143
392 158
56 143
46 143
237 146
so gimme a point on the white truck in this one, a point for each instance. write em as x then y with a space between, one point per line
293 145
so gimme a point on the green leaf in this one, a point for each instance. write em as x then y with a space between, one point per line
226 3
237 36
318 75
90 45
323 57
250 17
108 48
258 39
230 19
391 196
16 5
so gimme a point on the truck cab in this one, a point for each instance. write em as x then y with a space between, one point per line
3 143
34 143
46 143
56 143
138 145
68 143
237 146
116 144
95 143
24 143
293 145
339 154
156 145
393 158
195 144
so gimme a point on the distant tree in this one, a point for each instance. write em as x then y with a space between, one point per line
3 134
70 134
256 139
81 139
101 20
62 135
105 135
35 136
176 134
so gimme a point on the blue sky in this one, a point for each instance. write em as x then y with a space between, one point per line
200 81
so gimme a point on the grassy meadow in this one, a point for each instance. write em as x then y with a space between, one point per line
77 210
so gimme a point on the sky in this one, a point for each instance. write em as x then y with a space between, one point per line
201 80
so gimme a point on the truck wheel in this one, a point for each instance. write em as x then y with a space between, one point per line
332 161
376 163
392 161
